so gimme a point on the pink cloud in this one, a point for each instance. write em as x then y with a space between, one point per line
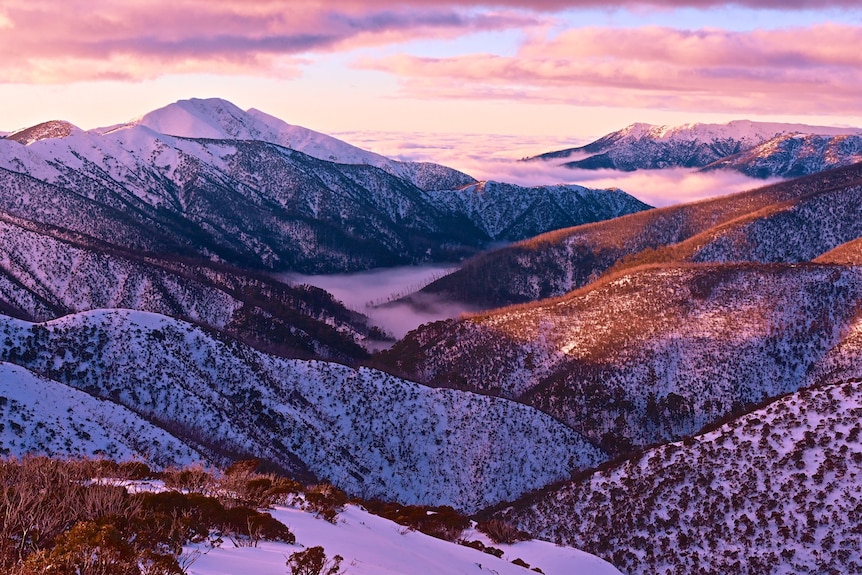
47 41
807 69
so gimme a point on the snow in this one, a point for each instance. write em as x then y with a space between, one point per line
742 130
371 545
219 119
47 417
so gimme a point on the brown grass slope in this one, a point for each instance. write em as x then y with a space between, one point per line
849 254
555 263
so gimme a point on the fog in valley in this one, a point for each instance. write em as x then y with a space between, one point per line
498 158
374 292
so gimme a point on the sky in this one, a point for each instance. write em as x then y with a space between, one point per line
530 75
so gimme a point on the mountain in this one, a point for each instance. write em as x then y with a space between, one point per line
793 155
250 202
45 274
793 221
651 354
506 212
757 149
371 434
772 492
218 119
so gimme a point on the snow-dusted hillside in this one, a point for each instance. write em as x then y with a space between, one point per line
372 434
49 418
791 222
371 545
509 212
756 148
773 492
845 254
651 355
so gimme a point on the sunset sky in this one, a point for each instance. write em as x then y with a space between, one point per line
548 70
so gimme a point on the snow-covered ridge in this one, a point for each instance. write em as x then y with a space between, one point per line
44 131
219 119
372 545
372 434
727 146
708 340
43 416
742 130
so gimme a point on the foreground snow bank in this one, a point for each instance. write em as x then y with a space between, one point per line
372 545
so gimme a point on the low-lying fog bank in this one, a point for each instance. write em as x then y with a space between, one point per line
373 293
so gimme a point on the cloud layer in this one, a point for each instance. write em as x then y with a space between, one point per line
50 41
45 41
819 67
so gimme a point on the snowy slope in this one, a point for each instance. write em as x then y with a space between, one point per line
371 545
793 155
773 492
45 273
651 355
221 120
645 146
371 434
49 418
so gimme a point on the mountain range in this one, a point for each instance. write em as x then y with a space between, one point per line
675 390
791 222
203 177
757 149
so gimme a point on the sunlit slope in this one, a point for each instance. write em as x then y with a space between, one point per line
789 222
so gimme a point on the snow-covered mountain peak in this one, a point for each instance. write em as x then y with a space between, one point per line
212 118
742 130
44 131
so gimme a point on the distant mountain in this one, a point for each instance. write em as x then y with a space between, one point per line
757 149
229 191
509 212
793 155
649 355
371 434
217 119
773 492
793 221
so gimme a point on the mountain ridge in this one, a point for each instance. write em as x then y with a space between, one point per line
757 149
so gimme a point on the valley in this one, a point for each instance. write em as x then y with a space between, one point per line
671 389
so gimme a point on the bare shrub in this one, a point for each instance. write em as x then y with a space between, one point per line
313 561
502 532
242 485
193 479
325 500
